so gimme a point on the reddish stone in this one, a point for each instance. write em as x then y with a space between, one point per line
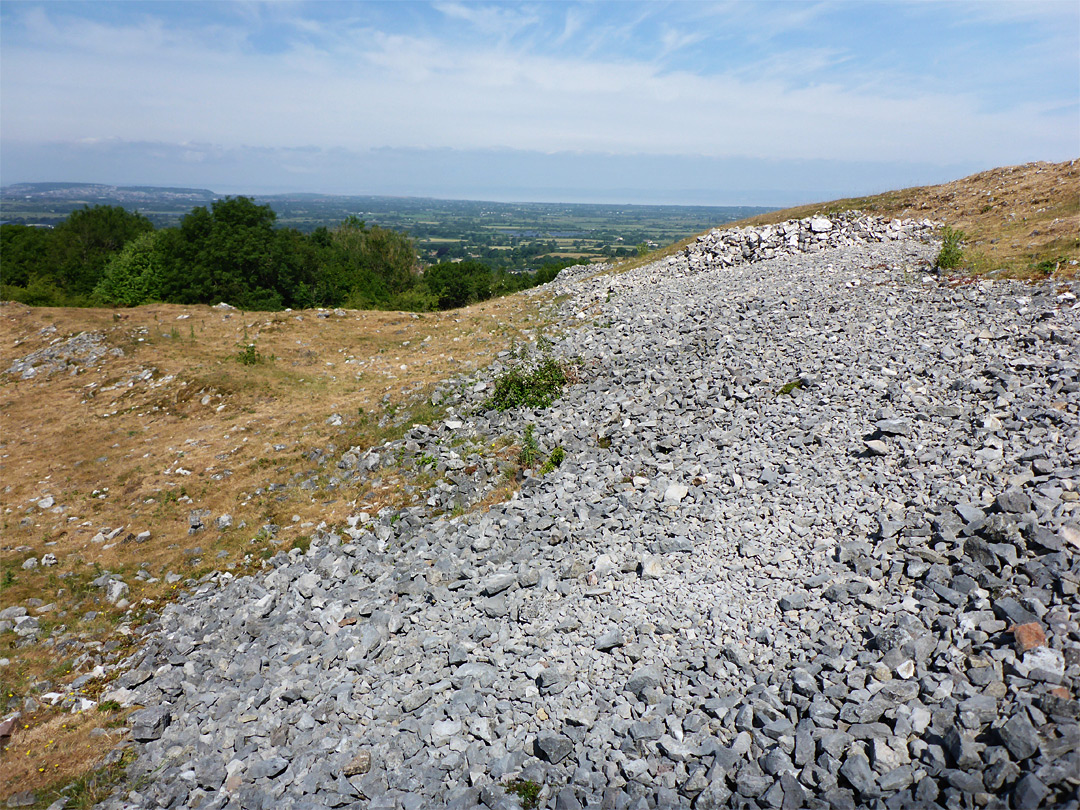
1028 636
1061 692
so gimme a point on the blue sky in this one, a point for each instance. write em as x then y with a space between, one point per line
721 103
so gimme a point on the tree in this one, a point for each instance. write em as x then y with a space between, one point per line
87 239
230 253
134 275
372 265
27 254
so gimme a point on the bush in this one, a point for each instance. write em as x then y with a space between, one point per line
249 356
951 255
529 386
132 276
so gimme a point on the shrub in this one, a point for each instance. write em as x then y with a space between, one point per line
951 255
249 355
529 386
526 790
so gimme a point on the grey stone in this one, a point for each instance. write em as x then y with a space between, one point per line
553 747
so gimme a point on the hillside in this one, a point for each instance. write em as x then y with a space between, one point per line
1019 221
807 424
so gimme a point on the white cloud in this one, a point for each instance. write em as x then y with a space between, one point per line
356 87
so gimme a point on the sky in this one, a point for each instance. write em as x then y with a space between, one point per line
725 103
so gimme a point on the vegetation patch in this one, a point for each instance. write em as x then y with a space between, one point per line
535 384
951 254
790 387
527 790
557 457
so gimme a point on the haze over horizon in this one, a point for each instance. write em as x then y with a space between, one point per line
770 103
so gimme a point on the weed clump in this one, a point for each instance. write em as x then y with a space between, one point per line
557 457
951 254
249 356
530 451
531 385
527 790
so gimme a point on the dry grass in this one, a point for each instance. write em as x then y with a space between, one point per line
51 750
1016 218
178 423
1019 221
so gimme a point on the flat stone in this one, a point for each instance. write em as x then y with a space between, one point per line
553 747
268 768
1019 736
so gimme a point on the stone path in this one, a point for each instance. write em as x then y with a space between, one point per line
815 543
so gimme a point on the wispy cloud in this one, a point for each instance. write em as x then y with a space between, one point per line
936 82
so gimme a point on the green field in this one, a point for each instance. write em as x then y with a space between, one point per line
515 236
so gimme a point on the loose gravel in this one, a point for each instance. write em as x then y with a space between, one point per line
815 543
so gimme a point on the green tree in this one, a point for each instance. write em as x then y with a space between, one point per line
27 254
85 241
134 275
371 266
232 253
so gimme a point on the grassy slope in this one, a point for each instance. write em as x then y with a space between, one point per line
178 423
1015 218
1018 221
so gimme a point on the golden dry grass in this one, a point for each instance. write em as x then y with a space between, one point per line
1015 217
1019 221
178 423
51 749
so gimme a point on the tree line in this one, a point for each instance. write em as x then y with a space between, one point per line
232 251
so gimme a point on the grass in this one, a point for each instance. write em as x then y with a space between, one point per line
117 447
1019 221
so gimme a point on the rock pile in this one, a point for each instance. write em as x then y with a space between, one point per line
63 355
724 248
815 543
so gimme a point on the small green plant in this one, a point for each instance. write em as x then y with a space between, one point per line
530 451
249 355
108 706
557 457
9 577
302 543
951 254
529 386
527 790
789 388
1049 266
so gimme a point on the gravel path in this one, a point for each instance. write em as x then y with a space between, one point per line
815 543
